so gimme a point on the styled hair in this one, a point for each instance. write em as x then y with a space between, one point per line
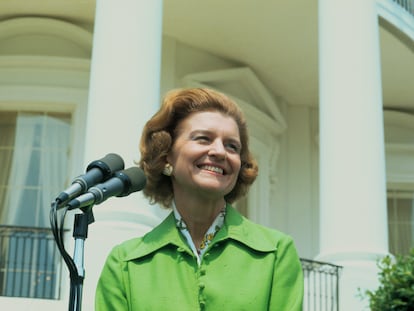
159 134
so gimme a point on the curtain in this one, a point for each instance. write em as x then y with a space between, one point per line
53 162
401 222
24 138
38 170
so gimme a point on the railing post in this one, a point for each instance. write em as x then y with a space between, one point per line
321 286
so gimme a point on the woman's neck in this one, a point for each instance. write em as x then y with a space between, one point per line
198 215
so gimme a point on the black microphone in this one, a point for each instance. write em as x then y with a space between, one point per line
96 172
122 184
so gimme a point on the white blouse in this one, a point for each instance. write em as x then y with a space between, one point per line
208 237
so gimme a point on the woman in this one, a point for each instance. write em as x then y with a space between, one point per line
204 255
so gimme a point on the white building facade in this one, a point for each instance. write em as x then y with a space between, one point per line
335 146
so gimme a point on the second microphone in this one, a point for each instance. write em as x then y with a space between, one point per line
121 184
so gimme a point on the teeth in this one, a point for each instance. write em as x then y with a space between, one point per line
212 168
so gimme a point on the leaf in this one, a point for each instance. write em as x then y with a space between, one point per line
396 284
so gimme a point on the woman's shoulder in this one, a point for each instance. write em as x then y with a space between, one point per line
255 235
157 238
124 248
271 233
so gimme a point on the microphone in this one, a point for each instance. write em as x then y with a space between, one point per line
97 171
121 184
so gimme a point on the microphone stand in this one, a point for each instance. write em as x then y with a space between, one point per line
80 233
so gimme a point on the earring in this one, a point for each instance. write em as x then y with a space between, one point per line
168 169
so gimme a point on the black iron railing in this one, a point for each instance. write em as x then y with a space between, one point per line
407 5
321 286
29 263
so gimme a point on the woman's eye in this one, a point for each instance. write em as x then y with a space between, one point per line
202 138
233 147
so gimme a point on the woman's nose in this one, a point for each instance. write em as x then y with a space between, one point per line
218 150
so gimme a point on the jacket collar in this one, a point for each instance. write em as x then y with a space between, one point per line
161 236
236 227
241 229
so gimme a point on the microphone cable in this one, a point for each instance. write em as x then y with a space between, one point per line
57 225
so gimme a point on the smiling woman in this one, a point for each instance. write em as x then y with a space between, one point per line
196 156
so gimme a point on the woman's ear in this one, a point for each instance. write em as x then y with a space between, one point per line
168 169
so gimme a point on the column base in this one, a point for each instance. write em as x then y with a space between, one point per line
359 273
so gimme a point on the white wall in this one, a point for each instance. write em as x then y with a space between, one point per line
180 59
300 180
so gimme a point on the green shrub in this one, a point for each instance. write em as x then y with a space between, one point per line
396 289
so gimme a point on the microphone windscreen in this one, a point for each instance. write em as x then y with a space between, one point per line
113 161
109 164
136 178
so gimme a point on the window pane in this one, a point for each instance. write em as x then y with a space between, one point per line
400 222
7 133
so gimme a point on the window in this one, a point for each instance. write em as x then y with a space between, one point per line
400 206
34 157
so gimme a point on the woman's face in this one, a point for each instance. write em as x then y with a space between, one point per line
205 155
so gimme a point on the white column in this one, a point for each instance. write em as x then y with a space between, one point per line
353 221
124 93
125 76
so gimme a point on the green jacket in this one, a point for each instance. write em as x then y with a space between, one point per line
247 267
